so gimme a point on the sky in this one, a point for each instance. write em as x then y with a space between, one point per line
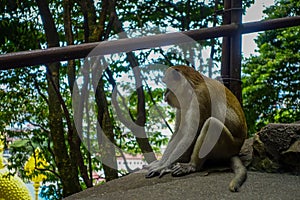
254 13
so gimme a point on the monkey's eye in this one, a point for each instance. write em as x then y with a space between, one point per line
175 75
171 76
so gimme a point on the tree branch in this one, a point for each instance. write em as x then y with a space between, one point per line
37 87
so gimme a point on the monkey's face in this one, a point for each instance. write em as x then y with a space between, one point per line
173 80
171 99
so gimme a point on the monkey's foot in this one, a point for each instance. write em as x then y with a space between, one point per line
181 169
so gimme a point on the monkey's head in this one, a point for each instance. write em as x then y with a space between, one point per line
180 81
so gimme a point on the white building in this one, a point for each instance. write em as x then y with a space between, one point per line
130 163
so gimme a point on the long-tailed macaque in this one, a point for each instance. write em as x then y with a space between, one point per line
210 126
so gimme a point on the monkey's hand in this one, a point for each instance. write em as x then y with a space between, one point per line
152 173
152 165
181 169
160 171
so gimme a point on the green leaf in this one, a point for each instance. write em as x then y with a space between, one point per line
20 143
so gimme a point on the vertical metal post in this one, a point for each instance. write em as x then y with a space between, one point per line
225 66
235 50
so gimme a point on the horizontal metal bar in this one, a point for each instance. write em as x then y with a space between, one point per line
43 56
36 57
270 24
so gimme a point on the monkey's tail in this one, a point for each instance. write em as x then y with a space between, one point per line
240 174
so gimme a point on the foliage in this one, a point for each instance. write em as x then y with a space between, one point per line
271 79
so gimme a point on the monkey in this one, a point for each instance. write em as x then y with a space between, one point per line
210 126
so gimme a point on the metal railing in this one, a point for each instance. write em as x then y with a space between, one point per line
43 56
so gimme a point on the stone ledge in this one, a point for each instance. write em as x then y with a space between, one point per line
195 186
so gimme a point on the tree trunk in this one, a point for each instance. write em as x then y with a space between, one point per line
75 142
68 173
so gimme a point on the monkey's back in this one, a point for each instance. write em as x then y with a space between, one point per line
223 105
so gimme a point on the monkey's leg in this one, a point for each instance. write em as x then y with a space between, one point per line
214 142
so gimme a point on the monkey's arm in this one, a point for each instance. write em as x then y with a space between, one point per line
180 142
155 168
170 157
170 147
175 139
